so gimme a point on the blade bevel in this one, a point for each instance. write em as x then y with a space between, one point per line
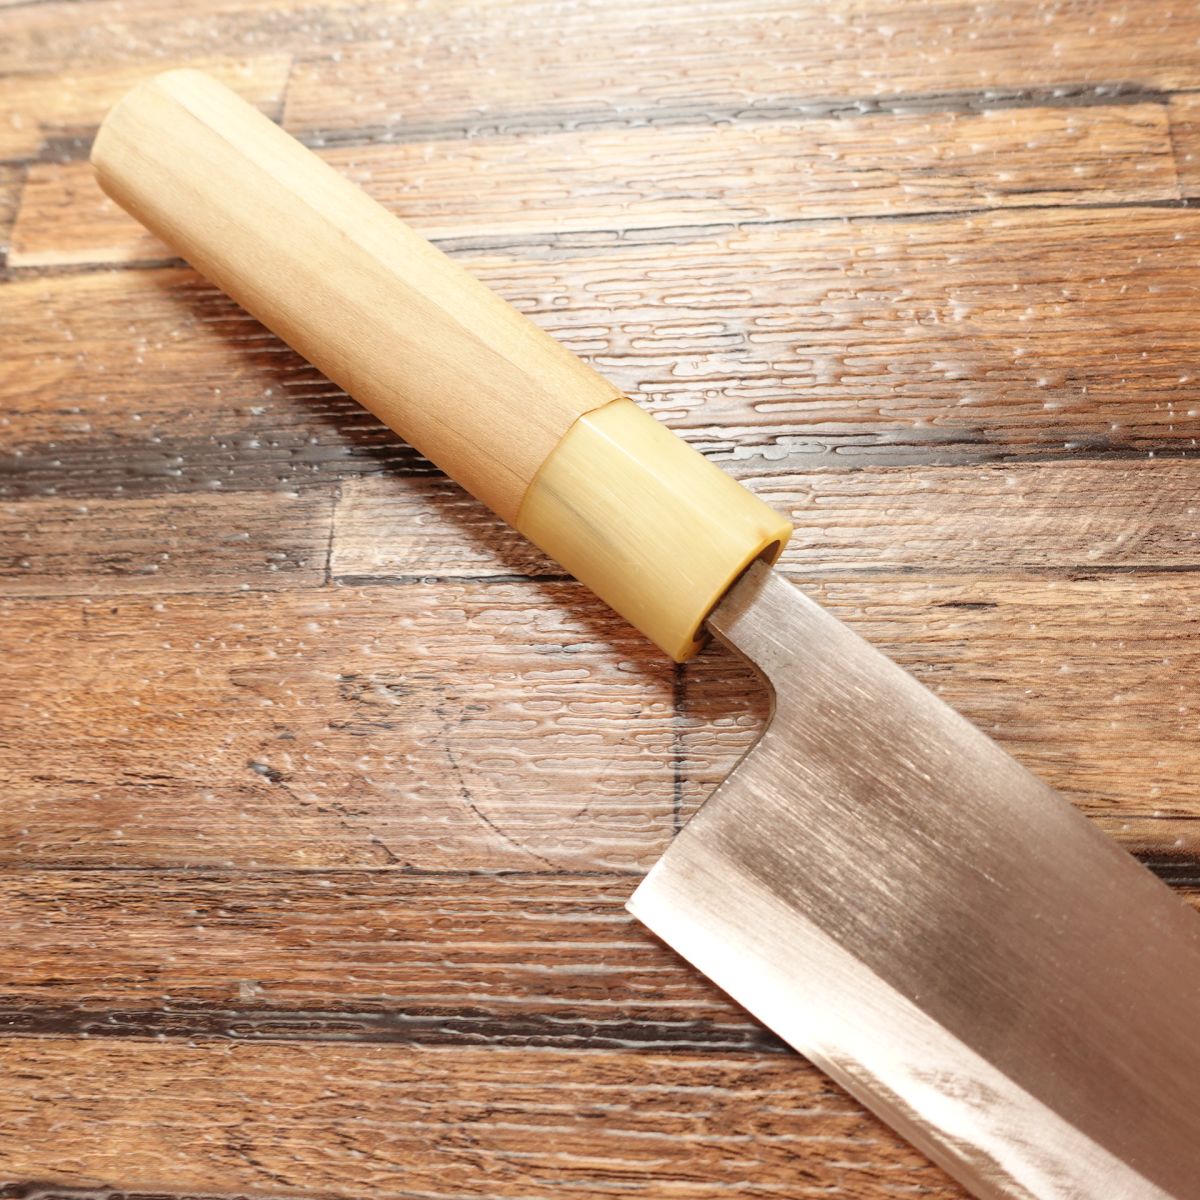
904 903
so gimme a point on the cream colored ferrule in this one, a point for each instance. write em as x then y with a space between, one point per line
647 522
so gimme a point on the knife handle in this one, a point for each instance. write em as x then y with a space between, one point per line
623 504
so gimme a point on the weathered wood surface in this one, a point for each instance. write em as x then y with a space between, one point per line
514 726
416 1120
322 792
1184 113
56 111
639 179
203 543
434 726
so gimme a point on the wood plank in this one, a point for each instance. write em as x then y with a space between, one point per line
473 61
1088 682
532 730
350 955
434 726
391 527
1015 520
50 35
767 56
906 162
64 104
67 220
950 340
128 383
1185 134
438 1122
11 184
244 541
1078 518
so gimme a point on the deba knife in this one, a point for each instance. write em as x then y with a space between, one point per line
877 881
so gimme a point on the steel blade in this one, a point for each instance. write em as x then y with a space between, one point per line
900 900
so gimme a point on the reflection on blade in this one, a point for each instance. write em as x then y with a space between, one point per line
899 899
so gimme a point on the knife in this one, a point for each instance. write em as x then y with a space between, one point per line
876 881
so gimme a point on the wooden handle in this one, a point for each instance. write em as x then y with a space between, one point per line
475 386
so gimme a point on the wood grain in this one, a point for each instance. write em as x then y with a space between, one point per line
46 109
958 339
940 521
1079 519
377 957
47 37
386 957
12 179
480 726
394 527
474 62
201 544
673 176
67 220
837 55
303 750
1018 519
1185 135
440 1122
117 379
309 956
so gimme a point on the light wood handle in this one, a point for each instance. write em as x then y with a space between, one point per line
475 386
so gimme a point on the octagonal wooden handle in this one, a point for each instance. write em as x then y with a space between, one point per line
474 385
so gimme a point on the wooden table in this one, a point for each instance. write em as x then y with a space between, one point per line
323 792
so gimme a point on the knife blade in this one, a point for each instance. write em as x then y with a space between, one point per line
883 886
877 881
